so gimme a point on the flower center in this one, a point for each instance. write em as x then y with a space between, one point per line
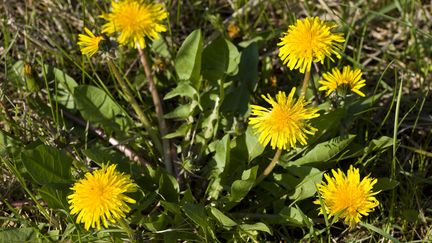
281 118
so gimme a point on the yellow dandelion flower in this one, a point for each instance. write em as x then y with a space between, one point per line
347 196
89 44
134 20
99 196
347 79
309 40
285 123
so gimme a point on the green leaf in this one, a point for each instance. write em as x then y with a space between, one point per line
380 143
18 235
179 132
254 147
172 207
97 107
248 67
234 58
293 216
47 165
215 60
298 183
240 188
66 86
306 179
55 198
323 152
168 187
181 111
222 155
182 89
188 60
65 80
255 227
385 184
237 98
197 213
222 218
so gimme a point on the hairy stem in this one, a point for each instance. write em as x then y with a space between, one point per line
305 83
159 110
270 166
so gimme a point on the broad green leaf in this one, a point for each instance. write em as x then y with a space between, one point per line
256 227
65 80
306 180
18 235
215 59
385 184
240 188
182 111
97 107
179 132
47 165
222 155
323 152
188 60
299 182
222 218
66 86
293 216
183 89
375 145
234 58
237 100
172 207
380 143
55 197
197 213
248 67
155 223
254 147
168 187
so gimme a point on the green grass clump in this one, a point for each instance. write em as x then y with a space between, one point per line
200 171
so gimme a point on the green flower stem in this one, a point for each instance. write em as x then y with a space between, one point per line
305 83
130 98
159 111
269 167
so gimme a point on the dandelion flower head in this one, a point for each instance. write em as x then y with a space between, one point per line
89 43
346 196
285 123
99 197
348 78
134 20
309 40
